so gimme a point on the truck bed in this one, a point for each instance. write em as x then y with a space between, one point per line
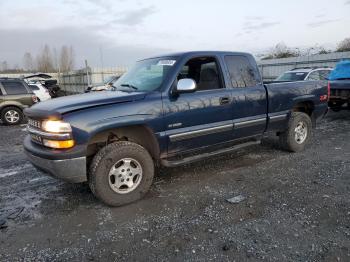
283 96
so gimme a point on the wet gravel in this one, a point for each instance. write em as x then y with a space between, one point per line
286 207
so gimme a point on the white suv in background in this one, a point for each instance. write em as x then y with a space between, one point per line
40 91
303 74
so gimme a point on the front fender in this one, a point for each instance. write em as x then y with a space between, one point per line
117 122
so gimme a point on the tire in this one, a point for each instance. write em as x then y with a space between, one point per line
292 139
11 115
109 173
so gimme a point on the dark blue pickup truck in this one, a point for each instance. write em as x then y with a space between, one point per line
167 111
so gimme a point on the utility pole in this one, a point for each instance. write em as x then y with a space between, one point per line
87 73
101 59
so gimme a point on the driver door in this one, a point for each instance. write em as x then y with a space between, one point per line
201 118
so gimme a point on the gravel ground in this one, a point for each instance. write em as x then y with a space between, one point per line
292 207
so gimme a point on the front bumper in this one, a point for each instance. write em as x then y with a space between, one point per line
71 170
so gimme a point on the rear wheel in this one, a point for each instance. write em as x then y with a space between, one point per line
121 173
298 132
11 115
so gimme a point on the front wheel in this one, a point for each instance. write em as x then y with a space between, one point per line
11 115
121 173
298 132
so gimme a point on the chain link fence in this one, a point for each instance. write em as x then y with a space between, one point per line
79 80
272 68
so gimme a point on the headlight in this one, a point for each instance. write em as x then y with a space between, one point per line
56 126
51 133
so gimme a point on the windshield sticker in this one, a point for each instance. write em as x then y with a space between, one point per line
299 74
166 62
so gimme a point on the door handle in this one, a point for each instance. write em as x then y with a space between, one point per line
224 100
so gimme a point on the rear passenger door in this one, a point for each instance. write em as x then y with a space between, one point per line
249 102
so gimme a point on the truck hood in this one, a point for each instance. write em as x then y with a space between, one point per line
55 108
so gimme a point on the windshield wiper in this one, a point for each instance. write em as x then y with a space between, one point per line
129 85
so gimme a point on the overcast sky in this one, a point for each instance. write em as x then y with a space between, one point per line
127 30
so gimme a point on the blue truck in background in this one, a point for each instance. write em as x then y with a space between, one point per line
339 85
167 111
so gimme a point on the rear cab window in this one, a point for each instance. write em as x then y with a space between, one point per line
241 72
14 87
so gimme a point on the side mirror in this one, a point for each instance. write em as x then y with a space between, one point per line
186 85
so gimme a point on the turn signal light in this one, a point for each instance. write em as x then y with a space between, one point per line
58 144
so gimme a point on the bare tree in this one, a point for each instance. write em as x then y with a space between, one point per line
323 51
28 62
66 59
344 45
281 51
45 60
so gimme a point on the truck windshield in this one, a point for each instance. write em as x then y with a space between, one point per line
292 76
146 75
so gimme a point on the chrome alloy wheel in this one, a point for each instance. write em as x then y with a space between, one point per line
12 116
125 175
300 133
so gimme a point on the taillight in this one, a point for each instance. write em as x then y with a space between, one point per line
35 99
326 97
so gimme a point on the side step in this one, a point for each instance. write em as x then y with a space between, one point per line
191 159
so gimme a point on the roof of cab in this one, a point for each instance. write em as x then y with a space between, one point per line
197 53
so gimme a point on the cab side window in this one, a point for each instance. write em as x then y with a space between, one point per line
204 71
242 72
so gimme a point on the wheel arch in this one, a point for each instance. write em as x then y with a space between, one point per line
140 134
4 106
307 107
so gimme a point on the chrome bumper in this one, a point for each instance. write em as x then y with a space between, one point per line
70 170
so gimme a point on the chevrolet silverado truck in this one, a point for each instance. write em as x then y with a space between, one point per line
167 111
339 86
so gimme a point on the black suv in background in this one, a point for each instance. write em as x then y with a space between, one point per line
15 96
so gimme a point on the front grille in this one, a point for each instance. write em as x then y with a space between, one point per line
34 123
